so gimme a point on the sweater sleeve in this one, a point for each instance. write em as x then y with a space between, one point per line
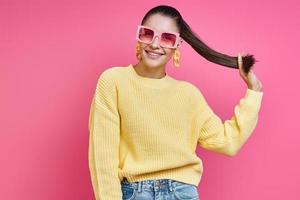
104 128
227 138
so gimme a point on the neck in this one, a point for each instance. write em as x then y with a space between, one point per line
150 72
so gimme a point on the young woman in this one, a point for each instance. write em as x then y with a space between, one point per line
145 125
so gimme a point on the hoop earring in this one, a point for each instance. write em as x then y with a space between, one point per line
138 49
176 58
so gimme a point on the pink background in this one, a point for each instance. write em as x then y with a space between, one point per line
52 52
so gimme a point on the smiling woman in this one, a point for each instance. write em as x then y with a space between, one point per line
158 39
145 125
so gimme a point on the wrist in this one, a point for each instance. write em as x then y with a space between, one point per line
257 88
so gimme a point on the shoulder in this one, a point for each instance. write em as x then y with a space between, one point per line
196 97
111 73
109 77
191 90
114 75
190 87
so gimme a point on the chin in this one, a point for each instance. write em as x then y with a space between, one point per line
152 62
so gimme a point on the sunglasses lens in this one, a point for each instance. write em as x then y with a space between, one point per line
168 39
146 35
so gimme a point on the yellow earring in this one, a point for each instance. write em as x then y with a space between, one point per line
138 48
176 58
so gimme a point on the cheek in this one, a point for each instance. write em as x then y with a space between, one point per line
142 49
169 53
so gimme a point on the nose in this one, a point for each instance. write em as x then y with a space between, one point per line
155 42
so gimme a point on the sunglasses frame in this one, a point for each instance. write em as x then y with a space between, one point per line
178 41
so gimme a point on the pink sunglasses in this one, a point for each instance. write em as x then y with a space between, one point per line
147 34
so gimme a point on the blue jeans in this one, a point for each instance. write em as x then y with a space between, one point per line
158 189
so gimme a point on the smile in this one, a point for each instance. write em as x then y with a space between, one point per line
153 55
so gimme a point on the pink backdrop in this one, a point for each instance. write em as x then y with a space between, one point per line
52 52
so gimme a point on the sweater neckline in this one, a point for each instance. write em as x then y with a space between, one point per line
150 82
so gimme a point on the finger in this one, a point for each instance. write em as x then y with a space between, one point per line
240 60
240 63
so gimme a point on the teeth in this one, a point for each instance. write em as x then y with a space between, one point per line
154 54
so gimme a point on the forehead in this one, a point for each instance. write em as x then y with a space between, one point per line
161 23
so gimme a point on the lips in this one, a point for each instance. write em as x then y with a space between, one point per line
153 54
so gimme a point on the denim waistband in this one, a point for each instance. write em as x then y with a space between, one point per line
155 184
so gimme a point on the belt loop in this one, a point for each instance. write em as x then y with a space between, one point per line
170 185
139 186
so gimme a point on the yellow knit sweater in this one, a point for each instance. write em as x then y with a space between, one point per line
146 128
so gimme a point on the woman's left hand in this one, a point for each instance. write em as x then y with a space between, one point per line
251 80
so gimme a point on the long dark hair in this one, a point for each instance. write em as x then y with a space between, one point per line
194 40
